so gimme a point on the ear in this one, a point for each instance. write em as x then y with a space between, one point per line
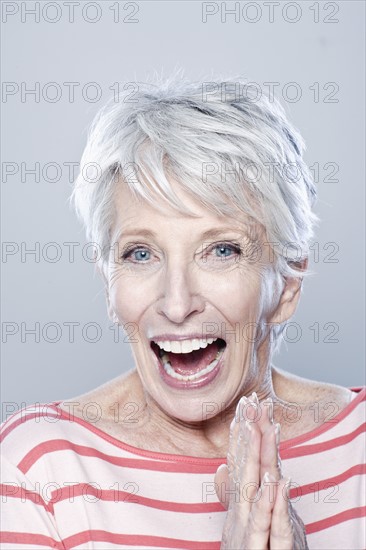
111 314
290 296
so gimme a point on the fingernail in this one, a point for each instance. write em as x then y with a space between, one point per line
288 487
270 410
232 424
247 429
254 397
243 400
278 433
279 465
265 478
244 407
249 409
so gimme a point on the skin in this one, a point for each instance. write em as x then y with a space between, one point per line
251 486
179 289
175 283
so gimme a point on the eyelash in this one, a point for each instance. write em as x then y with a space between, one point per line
232 246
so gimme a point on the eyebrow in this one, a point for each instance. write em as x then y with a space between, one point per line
138 232
211 233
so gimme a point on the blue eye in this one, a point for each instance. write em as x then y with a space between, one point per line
224 250
140 255
143 254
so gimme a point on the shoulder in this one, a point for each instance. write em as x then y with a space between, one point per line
28 429
291 386
319 402
99 404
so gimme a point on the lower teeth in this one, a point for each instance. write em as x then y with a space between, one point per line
169 370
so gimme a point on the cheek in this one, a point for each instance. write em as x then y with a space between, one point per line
237 295
128 301
234 294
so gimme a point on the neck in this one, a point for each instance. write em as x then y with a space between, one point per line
210 437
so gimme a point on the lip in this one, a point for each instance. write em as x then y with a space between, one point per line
179 337
193 384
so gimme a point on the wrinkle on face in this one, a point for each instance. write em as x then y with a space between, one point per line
178 292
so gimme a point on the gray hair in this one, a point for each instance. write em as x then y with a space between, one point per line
227 143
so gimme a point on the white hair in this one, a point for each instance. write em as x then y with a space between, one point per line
229 145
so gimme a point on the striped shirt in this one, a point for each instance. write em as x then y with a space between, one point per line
68 484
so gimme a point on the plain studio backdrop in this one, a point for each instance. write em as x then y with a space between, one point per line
61 62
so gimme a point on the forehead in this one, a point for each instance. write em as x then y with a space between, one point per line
134 213
137 217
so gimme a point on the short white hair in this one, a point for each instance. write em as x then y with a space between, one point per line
228 144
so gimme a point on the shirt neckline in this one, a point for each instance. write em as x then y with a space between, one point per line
360 395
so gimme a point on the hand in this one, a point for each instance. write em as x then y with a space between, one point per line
251 487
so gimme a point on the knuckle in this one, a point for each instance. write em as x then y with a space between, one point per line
258 521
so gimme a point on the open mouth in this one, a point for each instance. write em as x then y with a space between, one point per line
191 365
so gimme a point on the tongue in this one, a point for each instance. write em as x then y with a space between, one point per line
191 363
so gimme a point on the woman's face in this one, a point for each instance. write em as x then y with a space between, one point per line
172 277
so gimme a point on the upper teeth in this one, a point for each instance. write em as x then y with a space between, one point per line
185 346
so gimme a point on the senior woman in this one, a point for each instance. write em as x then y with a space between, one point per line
200 206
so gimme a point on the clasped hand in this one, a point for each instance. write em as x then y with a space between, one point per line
251 486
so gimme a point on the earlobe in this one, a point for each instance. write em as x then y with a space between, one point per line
102 274
290 294
111 313
289 300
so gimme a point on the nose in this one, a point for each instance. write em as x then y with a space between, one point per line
180 295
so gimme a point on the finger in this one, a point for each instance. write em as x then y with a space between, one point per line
233 437
264 413
239 431
229 481
259 521
243 459
242 470
261 418
248 465
250 408
281 534
270 456
265 417
221 482
226 474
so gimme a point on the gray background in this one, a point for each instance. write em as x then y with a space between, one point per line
166 35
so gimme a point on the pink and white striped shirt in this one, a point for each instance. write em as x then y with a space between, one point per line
68 484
